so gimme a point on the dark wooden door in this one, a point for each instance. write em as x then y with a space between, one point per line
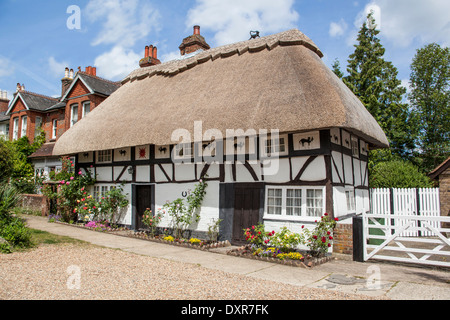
247 202
144 200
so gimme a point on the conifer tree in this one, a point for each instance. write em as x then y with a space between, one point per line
374 81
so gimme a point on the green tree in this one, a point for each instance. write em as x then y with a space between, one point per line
398 174
429 97
336 67
6 160
374 81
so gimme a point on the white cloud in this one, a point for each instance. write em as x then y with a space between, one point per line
338 29
117 63
124 21
403 21
6 68
232 20
57 68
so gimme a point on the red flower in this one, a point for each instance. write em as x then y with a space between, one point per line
273 232
329 245
259 232
325 214
330 237
253 227
336 219
303 227
315 237
328 232
324 240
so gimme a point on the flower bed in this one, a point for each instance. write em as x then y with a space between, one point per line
190 243
296 259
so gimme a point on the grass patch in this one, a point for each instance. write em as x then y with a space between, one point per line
40 237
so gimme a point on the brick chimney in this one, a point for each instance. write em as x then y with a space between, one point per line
66 81
150 57
4 102
193 43
91 71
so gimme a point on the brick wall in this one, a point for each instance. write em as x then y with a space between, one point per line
35 202
444 195
77 96
343 239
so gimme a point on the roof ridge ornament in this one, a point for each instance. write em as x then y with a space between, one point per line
254 34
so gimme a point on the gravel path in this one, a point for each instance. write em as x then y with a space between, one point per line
50 272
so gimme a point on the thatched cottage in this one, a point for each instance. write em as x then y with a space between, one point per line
170 124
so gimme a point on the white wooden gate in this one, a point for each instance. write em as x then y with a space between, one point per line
407 202
386 241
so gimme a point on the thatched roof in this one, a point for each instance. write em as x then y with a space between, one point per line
274 82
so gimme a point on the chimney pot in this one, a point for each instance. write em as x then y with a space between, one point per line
146 52
150 51
197 30
94 71
71 74
66 73
155 53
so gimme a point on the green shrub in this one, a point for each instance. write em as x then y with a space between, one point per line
9 198
398 174
16 233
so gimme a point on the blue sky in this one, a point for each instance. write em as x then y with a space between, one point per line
37 44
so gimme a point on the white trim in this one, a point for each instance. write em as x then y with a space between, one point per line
73 84
97 158
83 110
14 101
284 216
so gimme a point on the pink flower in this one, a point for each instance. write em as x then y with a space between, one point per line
67 182
80 173
71 178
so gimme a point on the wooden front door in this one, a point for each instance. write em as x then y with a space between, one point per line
247 203
144 200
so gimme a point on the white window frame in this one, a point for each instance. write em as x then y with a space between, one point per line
273 149
85 105
350 200
16 128
303 213
73 115
38 125
104 156
23 131
99 191
54 128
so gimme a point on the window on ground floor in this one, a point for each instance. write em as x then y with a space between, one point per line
290 202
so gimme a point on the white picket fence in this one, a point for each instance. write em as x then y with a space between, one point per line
407 202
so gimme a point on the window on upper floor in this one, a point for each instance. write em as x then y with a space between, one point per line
86 108
54 128
104 156
73 114
16 128
38 126
23 133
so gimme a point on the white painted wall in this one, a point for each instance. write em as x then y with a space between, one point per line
172 191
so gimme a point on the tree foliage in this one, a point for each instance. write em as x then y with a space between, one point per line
374 81
429 97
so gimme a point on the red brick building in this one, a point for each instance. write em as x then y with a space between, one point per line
30 112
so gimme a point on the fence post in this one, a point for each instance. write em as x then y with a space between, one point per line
358 239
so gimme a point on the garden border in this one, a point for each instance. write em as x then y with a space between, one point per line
142 235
